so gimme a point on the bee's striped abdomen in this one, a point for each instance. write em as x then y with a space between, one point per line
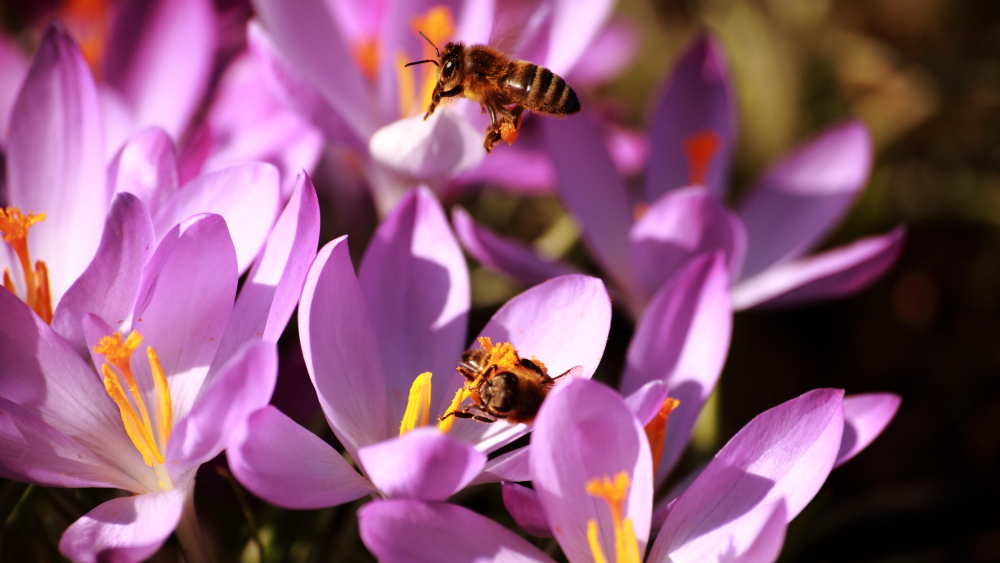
539 89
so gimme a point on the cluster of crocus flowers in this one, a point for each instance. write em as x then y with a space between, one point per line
642 242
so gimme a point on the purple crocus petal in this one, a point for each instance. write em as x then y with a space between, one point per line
475 22
608 55
698 105
766 547
55 159
503 254
828 275
523 506
784 453
147 167
593 190
680 225
585 431
184 302
289 466
309 36
682 339
422 464
42 373
160 56
341 350
510 466
124 529
865 417
243 386
412 531
109 285
564 322
518 169
800 199
33 451
247 196
416 284
13 69
575 23
272 290
431 151
646 401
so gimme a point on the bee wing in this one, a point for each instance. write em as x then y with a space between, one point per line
516 25
575 372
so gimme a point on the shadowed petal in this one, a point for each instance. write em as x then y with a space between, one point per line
523 506
183 304
272 290
13 68
55 159
412 531
416 284
645 402
593 190
246 196
124 529
503 254
146 167
784 453
341 350
697 108
243 385
682 339
510 466
802 197
865 417
107 288
289 466
431 151
423 464
828 275
679 226
586 431
159 57
766 547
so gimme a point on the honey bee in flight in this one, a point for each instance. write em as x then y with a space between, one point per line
514 392
503 87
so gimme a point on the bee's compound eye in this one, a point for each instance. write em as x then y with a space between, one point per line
449 67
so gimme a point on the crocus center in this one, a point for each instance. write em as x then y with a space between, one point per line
438 25
656 430
89 22
613 492
149 437
699 149
14 227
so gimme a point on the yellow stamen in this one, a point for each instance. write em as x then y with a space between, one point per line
406 87
139 434
446 422
439 26
700 148
503 355
613 492
656 430
14 226
418 407
164 406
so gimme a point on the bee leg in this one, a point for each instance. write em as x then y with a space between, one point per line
436 98
466 414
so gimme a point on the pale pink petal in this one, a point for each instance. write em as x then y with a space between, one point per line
766 547
124 529
413 531
575 24
523 506
828 275
246 196
800 199
289 466
146 167
341 350
865 417
510 466
503 254
608 55
160 56
416 284
55 159
108 286
682 339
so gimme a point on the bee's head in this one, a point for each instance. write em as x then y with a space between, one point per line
450 70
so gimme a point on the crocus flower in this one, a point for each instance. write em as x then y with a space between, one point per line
341 64
145 422
642 243
373 344
592 470
56 171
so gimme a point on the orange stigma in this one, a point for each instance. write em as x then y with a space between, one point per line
656 430
89 22
700 148
14 227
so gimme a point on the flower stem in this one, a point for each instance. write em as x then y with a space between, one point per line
190 537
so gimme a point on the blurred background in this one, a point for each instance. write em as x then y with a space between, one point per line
925 76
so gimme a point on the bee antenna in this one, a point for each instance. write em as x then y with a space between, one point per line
421 62
432 44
